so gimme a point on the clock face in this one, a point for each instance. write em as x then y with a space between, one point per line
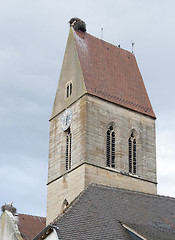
66 119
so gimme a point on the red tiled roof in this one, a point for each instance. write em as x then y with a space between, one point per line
111 73
29 226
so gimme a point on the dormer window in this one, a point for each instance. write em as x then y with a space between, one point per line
132 154
110 147
68 89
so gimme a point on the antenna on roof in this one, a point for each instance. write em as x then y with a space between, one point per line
132 43
101 33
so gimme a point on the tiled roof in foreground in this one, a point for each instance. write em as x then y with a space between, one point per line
29 226
111 73
99 212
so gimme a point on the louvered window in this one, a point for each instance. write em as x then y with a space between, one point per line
110 147
68 151
132 154
68 89
67 95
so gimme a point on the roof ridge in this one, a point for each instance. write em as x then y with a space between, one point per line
78 198
30 215
131 191
86 33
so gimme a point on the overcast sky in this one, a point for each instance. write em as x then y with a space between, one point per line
33 36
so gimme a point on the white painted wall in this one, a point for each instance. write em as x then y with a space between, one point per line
52 236
8 227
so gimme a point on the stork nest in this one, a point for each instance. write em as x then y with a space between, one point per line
9 207
77 24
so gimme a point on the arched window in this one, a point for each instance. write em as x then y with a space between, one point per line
132 154
110 147
68 89
68 150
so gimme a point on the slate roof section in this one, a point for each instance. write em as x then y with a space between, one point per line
111 73
29 226
97 213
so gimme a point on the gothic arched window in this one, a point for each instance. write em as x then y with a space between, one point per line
132 154
110 147
68 150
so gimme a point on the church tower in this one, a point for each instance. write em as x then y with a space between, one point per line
102 127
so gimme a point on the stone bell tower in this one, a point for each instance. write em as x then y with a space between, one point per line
102 127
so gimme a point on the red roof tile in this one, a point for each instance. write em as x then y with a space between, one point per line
29 226
111 73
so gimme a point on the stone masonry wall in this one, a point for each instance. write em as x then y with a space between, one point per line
91 117
57 142
66 187
72 183
113 178
100 114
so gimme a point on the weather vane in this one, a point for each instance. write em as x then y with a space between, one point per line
101 33
132 43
